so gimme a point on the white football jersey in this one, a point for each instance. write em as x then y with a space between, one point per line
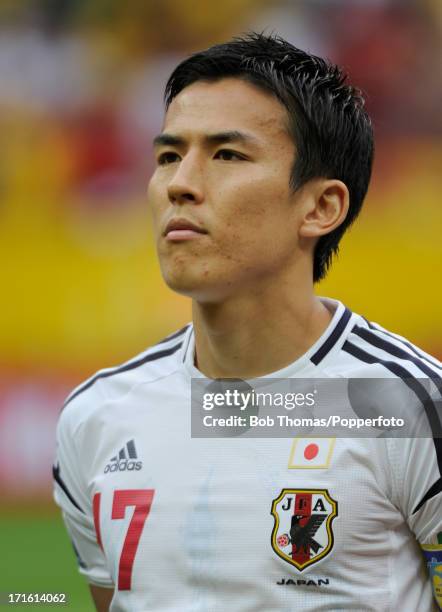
182 524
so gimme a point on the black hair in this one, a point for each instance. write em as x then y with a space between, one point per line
331 129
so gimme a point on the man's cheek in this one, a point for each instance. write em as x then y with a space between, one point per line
156 214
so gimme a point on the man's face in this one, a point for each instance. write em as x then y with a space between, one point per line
224 160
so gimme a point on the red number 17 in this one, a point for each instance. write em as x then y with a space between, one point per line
142 500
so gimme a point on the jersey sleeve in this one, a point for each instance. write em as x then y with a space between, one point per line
417 484
70 493
416 471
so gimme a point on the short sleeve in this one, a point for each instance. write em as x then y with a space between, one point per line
416 472
417 484
71 495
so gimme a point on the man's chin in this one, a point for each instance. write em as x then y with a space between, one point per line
195 286
190 287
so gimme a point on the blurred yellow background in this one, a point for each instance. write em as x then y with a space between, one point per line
80 100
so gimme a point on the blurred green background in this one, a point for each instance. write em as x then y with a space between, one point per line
38 558
80 99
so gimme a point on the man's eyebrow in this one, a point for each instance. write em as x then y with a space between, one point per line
167 140
229 136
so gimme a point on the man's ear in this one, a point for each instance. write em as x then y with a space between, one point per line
327 208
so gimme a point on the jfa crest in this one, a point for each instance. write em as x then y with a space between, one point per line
302 534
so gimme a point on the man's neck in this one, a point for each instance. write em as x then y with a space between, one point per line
246 337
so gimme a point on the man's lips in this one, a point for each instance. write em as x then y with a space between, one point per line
182 229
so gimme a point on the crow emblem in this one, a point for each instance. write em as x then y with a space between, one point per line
302 533
302 536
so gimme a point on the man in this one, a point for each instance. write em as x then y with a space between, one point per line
263 162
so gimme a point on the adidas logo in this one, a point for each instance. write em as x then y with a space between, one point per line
125 460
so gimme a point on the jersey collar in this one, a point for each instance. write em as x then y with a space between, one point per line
331 340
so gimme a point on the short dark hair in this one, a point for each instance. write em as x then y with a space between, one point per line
331 129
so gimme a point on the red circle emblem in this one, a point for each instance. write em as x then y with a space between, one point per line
310 451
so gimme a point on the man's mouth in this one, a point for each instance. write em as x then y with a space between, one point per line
182 229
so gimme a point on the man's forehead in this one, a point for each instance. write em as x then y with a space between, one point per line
227 104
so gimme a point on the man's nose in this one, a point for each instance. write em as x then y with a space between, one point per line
186 184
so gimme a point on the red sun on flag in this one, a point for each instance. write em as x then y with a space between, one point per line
311 453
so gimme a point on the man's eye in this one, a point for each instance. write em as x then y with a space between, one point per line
228 155
167 158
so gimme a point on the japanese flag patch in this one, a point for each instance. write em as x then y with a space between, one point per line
311 453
